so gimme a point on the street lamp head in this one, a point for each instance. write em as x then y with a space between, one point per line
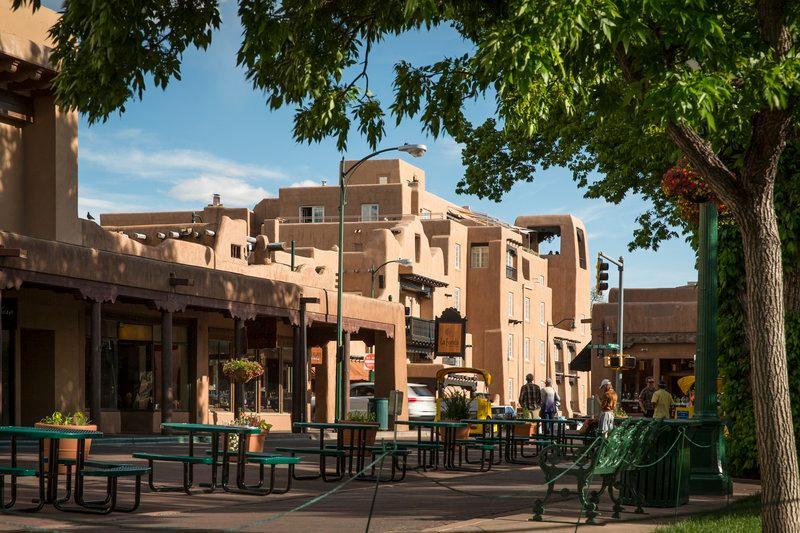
416 150
403 261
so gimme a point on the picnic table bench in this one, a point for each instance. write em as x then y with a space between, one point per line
605 458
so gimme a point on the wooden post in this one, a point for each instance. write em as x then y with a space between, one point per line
238 348
95 363
167 396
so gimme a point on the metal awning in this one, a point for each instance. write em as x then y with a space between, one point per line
583 361
425 281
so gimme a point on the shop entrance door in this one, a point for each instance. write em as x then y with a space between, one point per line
37 374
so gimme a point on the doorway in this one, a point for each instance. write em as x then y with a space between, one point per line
37 374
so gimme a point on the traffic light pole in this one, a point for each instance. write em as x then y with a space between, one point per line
620 264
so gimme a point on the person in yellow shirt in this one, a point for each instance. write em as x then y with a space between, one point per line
662 401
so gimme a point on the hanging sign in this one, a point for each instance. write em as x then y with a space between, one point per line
451 334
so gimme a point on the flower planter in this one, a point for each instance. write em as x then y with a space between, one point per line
67 448
255 443
528 429
461 433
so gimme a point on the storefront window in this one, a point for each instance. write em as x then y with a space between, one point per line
270 401
220 348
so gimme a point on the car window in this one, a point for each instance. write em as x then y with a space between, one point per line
420 390
366 390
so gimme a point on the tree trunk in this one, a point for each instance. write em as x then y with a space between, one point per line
780 483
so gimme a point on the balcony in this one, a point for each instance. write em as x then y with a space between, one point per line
511 273
420 332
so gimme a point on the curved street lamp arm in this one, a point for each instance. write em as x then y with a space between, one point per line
346 173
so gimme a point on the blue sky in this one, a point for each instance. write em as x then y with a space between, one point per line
211 133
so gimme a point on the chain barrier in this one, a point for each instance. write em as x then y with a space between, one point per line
316 499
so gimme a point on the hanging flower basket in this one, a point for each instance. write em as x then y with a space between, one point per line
242 370
687 188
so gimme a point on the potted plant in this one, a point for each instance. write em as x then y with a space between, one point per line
526 429
240 371
255 443
455 408
362 417
67 448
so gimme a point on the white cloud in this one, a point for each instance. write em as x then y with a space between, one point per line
448 148
234 191
171 163
307 183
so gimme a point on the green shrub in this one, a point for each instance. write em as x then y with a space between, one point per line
455 405
361 417
57 418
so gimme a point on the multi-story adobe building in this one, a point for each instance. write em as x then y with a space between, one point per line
85 313
525 312
660 331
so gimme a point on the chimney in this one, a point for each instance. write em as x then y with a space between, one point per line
216 200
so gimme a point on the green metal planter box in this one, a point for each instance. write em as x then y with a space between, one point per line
665 483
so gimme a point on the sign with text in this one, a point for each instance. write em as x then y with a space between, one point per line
315 354
451 334
369 361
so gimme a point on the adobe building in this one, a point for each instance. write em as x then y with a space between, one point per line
660 331
86 312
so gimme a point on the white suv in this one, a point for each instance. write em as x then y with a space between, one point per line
421 401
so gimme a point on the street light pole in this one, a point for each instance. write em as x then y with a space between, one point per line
373 270
416 150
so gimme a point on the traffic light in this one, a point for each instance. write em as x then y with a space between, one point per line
602 276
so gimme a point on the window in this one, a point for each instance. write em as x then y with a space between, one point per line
417 247
425 214
510 348
369 212
511 263
557 351
541 313
220 348
541 352
312 214
236 251
479 256
526 349
510 390
383 180
457 298
527 309
541 281
510 304
581 249
457 256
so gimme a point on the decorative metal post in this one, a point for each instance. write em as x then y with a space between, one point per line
707 475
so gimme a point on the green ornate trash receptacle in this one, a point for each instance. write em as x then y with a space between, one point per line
663 478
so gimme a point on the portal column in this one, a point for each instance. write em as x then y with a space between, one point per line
95 363
167 395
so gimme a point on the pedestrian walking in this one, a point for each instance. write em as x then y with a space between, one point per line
662 402
608 402
530 395
646 397
550 402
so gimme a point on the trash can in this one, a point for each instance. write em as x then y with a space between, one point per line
667 481
380 406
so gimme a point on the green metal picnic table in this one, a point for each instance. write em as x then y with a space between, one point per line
47 466
504 427
218 458
354 450
448 442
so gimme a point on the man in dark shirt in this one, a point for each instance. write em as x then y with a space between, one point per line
530 395
646 397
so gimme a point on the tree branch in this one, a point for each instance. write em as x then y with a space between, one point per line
703 158
772 24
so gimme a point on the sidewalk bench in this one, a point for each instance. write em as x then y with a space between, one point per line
399 463
112 472
624 446
271 460
188 462
13 472
323 454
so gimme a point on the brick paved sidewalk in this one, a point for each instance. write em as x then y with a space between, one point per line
499 500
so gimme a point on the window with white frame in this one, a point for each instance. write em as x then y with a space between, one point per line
425 214
510 349
312 214
383 180
511 390
457 256
541 281
541 352
557 351
457 298
527 309
541 313
479 256
526 349
369 212
510 304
